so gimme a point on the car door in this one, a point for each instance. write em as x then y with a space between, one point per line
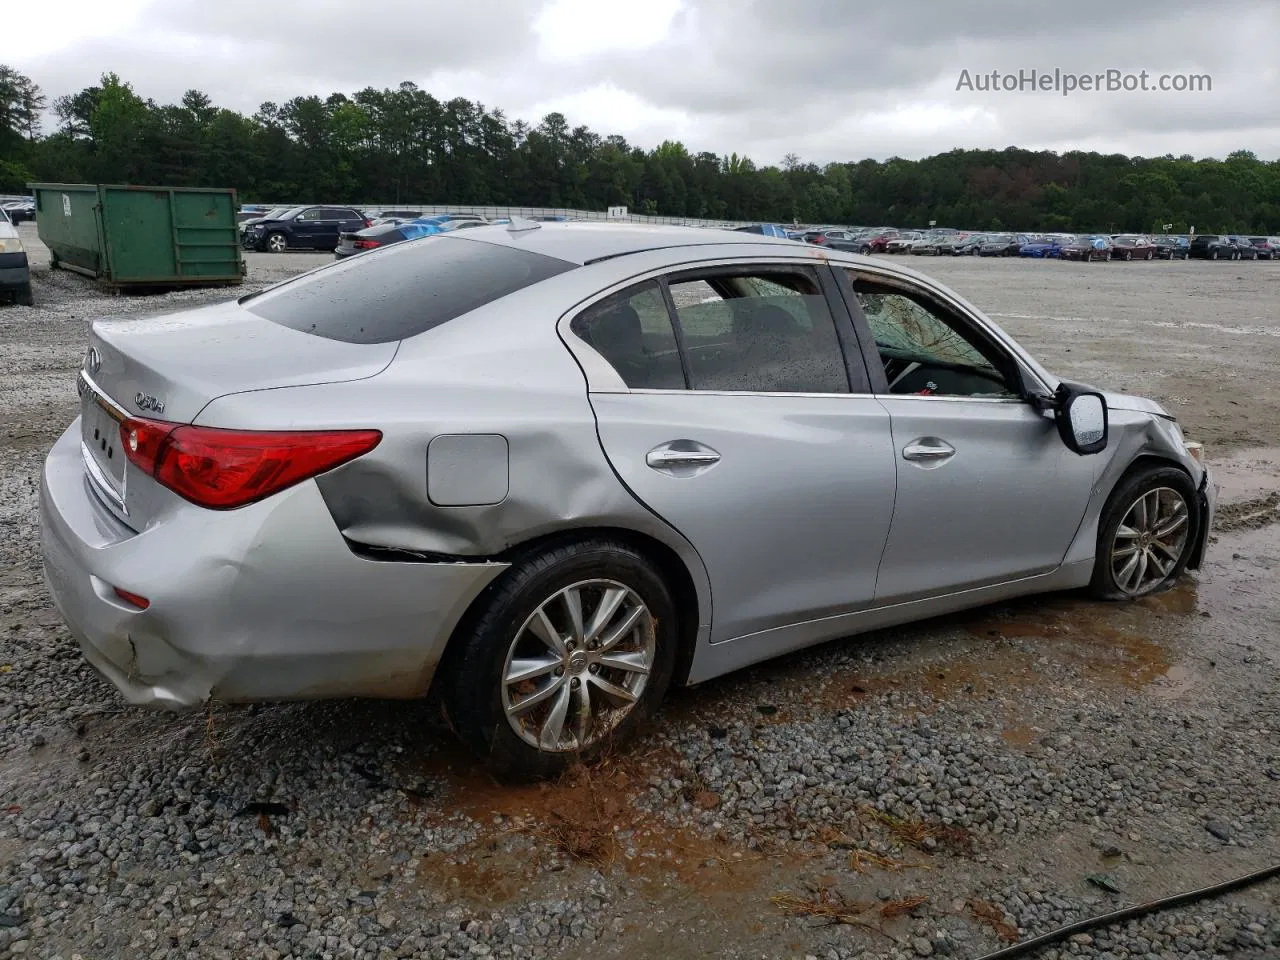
304 228
987 490
736 424
325 228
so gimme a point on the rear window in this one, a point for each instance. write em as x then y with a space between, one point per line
403 290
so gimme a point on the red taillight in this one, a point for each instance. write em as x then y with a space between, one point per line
367 223
363 244
819 239
135 599
224 469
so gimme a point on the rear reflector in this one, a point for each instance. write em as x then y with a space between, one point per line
135 599
225 469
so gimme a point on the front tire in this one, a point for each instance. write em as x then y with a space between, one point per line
277 243
1213 254
1147 532
23 297
570 650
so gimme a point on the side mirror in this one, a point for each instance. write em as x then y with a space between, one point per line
1082 418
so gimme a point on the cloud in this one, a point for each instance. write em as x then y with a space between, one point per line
826 79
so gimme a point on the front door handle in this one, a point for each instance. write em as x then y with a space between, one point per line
682 457
928 450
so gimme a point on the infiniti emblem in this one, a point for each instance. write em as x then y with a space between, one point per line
93 360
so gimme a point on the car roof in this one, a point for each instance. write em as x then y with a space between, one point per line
587 241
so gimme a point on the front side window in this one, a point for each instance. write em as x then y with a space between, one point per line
632 330
767 330
927 352
308 216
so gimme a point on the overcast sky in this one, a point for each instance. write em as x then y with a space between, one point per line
825 79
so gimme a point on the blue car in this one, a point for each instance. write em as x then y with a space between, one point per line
384 234
1041 247
767 229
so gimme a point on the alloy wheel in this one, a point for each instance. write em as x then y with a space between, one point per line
276 243
578 665
1149 541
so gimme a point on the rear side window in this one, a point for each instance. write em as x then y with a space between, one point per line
403 290
632 330
767 331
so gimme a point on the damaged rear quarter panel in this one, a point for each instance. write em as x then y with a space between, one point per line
500 370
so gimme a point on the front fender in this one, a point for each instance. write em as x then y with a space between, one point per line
1134 434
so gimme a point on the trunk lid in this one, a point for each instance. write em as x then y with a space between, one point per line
172 366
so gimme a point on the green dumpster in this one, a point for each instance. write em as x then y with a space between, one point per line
125 236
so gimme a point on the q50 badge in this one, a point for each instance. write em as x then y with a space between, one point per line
144 401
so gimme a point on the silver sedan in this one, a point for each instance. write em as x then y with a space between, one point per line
554 469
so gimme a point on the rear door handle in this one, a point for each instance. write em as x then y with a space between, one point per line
682 456
928 450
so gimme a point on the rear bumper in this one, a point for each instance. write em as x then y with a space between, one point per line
15 272
261 603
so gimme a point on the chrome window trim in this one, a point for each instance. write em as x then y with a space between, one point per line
602 378
778 393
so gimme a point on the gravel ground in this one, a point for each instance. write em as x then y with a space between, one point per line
929 791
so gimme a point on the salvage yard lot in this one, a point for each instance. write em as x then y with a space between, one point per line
932 788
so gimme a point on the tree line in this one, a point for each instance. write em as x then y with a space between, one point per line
405 146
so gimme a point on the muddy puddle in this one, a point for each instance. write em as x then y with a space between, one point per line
588 818
1247 474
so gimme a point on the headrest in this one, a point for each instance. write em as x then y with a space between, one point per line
617 332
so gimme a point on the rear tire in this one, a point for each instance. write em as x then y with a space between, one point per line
1152 521
483 687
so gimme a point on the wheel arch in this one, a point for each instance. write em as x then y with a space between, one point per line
669 564
1147 454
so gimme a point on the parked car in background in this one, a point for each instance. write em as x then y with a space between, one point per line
384 234
1245 250
1086 247
947 243
1041 247
1132 246
834 239
902 242
485 463
251 217
926 246
379 216
1172 247
1268 247
1003 245
970 245
765 229
20 210
15 271
1212 246
875 241
304 228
